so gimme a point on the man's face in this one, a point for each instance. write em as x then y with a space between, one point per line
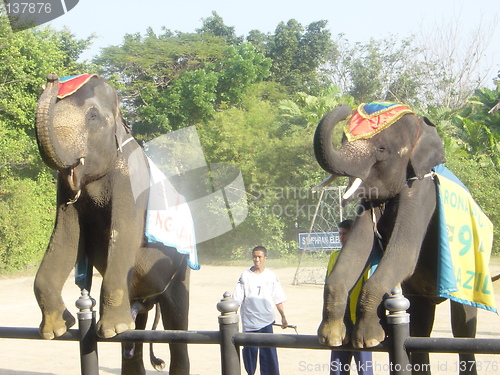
343 232
259 259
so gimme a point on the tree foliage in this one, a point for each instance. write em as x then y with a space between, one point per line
297 55
255 101
26 188
194 75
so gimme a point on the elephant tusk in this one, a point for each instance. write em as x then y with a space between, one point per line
352 188
74 199
324 183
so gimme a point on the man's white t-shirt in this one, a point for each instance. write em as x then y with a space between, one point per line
258 294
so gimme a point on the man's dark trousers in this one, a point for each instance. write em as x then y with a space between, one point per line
268 357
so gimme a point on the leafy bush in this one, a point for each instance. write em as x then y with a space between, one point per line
27 212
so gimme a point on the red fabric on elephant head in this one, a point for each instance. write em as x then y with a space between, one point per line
69 85
371 118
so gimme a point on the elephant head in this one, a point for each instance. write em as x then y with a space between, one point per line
76 122
379 158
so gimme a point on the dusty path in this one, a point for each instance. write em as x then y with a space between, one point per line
303 308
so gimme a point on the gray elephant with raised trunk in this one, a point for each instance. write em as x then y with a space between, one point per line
81 134
388 163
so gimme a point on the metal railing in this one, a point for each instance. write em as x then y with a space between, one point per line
398 343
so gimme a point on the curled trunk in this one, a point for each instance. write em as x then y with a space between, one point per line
52 153
328 158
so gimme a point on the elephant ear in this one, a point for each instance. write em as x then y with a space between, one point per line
428 152
122 131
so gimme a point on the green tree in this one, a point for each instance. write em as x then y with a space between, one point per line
259 40
27 190
177 80
277 165
241 67
191 98
215 26
27 212
385 69
297 55
306 111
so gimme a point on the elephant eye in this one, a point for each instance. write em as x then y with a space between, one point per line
381 153
92 115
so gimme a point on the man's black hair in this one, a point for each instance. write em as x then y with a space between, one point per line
260 248
346 224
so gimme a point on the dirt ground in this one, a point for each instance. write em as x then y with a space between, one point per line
18 308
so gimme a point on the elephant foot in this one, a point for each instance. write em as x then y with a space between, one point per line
56 324
133 366
367 333
179 360
110 328
333 333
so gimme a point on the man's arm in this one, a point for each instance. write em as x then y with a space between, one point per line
239 292
281 310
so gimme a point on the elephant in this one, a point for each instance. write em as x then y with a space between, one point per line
389 171
82 135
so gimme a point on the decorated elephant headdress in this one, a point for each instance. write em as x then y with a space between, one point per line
371 118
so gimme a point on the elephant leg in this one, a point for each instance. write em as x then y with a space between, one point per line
125 241
369 330
115 304
174 304
422 312
409 219
335 326
464 324
132 353
54 269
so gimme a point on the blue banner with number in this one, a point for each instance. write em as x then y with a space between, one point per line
466 238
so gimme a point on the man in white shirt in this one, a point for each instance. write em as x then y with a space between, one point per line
257 292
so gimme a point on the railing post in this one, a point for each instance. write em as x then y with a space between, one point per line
398 321
228 325
88 341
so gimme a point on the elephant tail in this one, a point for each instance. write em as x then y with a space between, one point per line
157 363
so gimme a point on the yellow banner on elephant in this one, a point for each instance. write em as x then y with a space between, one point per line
466 239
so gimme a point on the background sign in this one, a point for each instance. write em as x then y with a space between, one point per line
318 241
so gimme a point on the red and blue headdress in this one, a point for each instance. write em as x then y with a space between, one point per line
69 85
371 118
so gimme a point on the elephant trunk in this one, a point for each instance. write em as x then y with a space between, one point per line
52 153
351 160
328 158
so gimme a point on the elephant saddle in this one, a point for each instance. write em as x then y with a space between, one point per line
465 242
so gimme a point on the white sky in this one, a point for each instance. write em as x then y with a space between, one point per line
359 20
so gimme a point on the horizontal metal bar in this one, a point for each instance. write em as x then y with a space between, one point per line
452 345
412 344
294 341
177 337
34 334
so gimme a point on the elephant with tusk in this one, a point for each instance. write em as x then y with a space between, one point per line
389 155
101 218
